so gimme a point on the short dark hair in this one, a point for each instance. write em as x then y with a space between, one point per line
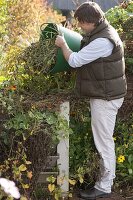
89 12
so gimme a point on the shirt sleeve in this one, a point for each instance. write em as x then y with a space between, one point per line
100 47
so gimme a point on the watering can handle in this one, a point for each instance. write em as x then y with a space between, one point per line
41 27
56 27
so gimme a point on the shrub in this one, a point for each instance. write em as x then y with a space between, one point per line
120 17
23 25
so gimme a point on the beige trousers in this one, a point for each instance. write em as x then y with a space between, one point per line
103 118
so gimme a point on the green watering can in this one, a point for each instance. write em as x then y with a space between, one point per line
72 38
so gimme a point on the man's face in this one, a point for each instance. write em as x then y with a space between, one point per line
86 27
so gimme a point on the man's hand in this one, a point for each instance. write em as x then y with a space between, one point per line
60 41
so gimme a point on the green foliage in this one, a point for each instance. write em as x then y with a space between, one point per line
120 17
80 142
128 28
25 69
24 126
39 57
23 27
83 156
117 16
21 125
27 57
129 63
124 152
84 160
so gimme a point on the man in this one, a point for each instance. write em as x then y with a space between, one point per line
101 77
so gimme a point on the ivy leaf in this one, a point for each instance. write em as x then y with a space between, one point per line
81 180
25 186
51 187
28 162
51 179
56 196
70 195
22 168
23 198
72 182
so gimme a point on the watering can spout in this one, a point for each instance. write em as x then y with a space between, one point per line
73 39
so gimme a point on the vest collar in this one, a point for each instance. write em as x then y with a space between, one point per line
100 27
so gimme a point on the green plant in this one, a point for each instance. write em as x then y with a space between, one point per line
24 127
23 60
118 15
82 163
84 160
124 152
120 18
27 124
23 27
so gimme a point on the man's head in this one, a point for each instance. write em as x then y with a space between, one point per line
89 15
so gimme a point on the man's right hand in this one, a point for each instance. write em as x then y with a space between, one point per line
60 41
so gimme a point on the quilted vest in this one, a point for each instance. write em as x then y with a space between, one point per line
103 78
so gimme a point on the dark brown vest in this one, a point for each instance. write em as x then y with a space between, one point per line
103 78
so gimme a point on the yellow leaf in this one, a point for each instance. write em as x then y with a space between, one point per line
70 195
22 168
29 174
72 182
23 198
25 186
28 162
56 196
81 180
51 187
